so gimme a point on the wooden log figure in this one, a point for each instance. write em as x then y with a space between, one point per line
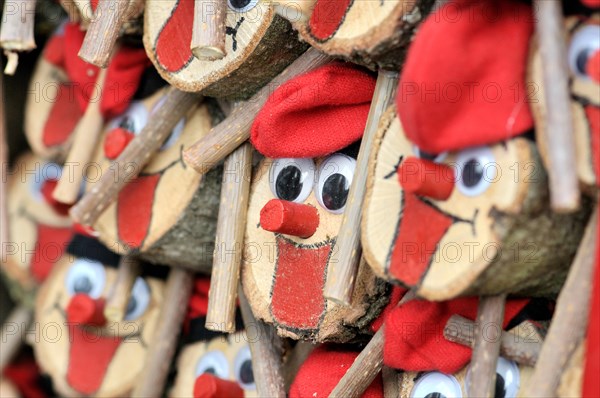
584 84
169 211
39 227
132 24
90 356
453 208
258 45
212 362
372 33
308 130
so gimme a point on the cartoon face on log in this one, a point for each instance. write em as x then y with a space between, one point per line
259 45
457 199
297 198
39 227
147 208
87 355
584 84
510 381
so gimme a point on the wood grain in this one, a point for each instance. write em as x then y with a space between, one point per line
4 237
560 138
229 241
344 261
235 129
16 30
570 319
135 156
116 303
208 35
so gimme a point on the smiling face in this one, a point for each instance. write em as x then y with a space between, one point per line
584 84
150 205
294 215
226 357
93 360
39 228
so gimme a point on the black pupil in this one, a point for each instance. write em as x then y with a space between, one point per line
427 156
582 60
500 388
127 124
335 192
472 173
435 395
210 370
239 3
83 284
289 185
246 373
131 305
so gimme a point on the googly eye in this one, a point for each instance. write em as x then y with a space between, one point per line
43 173
333 183
242 5
292 179
436 385
584 44
243 369
437 158
213 362
86 277
474 171
139 300
133 119
508 378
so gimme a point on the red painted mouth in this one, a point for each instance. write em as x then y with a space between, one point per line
327 17
63 118
134 209
173 43
420 231
592 113
50 246
89 358
297 298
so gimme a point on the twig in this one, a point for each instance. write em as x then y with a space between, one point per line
172 311
344 261
231 225
486 349
16 32
116 303
86 136
570 319
235 129
4 170
295 360
134 157
391 382
521 349
13 333
208 35
266 349
560 138
103 31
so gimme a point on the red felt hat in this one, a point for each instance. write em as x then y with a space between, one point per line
463 83
315 114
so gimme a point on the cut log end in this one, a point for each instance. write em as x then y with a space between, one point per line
209 53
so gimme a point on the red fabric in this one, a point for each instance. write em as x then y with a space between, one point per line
592 4
297 299
414 339
314 114
593 67
50 245
591 381
54 50
173 43
134 209
116 141
461 88
592 113
63 117
24 374
323 369
327 17
198 303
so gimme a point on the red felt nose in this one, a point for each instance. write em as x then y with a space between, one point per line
593 67
210 386
289 218
83 309
426 178
116 141
47 189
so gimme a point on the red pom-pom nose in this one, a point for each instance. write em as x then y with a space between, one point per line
47 189
83 309
210 386
116 141
289 218
593 67
426 178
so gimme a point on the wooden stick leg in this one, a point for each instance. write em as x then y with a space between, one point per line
134 157
266 348
344 261
116 304
158 360
564 188
86 135
208 35
235 129
229 240
13 333
570 319
4 237
16 30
